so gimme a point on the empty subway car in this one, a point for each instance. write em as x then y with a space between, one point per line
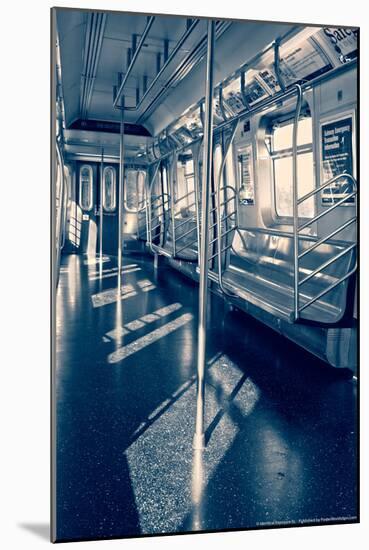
282 202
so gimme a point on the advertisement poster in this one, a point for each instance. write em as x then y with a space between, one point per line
305 61
337 159
341 43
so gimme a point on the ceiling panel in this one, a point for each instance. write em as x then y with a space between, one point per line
240 42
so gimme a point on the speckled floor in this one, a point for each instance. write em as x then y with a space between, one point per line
281 425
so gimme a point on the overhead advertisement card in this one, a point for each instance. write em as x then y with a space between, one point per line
337 159
302 61
341 43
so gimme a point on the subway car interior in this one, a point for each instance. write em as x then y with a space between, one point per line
205 274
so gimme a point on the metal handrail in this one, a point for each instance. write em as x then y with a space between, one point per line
327 237
149 23
186 220
149 208
172 179
184 196
195 149
194 215
159 198
227 217
326 264
161 205
223 235
222 251
298 228
219 235
186 246
328 289
185 234
325 212
279 233
173 53
294 202
270 101
224 202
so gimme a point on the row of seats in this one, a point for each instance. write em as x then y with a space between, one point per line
261 270
262 267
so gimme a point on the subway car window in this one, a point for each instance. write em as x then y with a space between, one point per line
141 178
281 153
109 189
190 184
134 189
130 191
85 187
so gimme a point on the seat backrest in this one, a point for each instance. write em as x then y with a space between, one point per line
272 258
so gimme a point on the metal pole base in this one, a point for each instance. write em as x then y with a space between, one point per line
156 261
198 442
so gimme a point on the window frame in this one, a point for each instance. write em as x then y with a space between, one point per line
91 179
286 153
114 179
137 172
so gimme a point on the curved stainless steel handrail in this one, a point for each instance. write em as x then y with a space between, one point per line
295 202
150 199
148 205
218 205
327 237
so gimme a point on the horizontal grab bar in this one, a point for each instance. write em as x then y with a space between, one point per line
327 264
222 235
328 289
186 233
324 185
325 212
187 245
325 239
183 222
223 250
184 197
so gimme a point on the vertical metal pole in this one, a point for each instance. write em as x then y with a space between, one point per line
294 201
120 197
199 436
101 203
172 184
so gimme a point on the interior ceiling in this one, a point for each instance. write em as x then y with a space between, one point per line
96 45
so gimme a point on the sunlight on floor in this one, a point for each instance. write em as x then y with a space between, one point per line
143 321
164 469
106 274
150 338
93 260
110 296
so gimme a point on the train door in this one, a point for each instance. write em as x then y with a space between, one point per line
108 201
87 200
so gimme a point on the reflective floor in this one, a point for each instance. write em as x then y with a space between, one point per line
281 426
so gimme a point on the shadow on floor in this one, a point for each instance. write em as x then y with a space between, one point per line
42 530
